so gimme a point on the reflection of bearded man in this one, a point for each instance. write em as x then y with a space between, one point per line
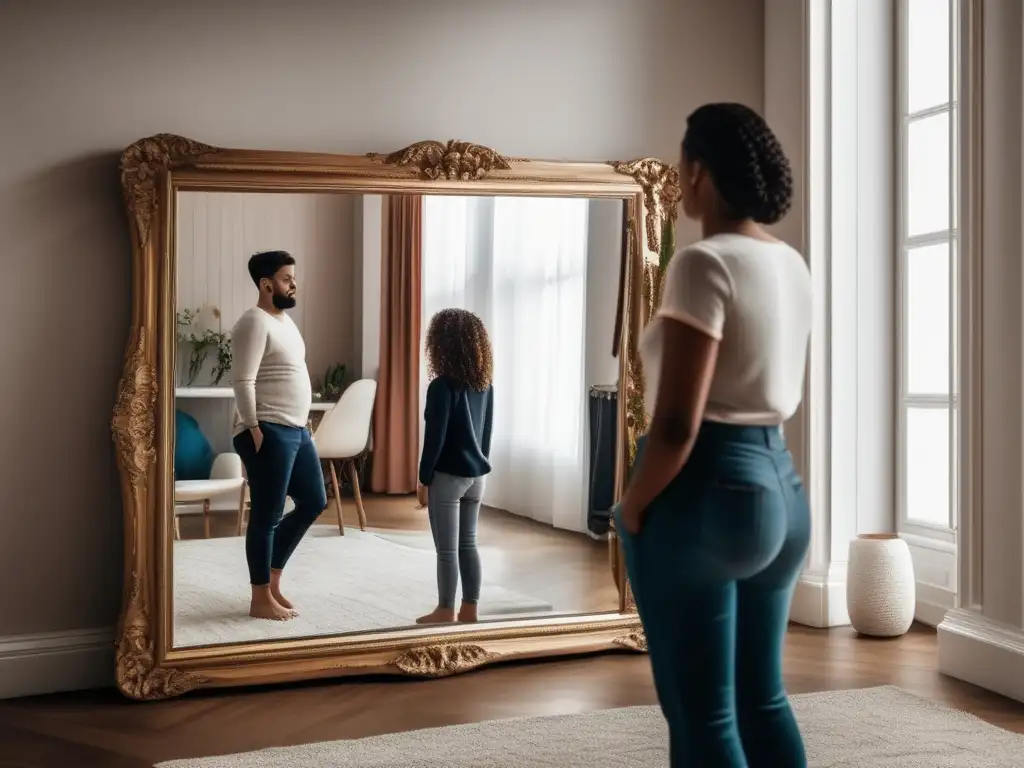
282 295
272 400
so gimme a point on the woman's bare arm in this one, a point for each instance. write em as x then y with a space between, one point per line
688 364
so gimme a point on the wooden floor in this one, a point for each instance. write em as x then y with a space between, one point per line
99 729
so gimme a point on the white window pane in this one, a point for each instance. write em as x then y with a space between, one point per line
928 46
927 339
927 462
928 184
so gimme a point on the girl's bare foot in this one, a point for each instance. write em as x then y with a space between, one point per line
438 616
275 591
468 613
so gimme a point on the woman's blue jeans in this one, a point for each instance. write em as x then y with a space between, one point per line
713 570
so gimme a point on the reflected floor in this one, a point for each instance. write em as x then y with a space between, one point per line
384 577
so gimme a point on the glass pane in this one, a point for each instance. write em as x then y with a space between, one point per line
927 462
928 175
928 45
927 339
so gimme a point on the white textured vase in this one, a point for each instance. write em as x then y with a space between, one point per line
880 589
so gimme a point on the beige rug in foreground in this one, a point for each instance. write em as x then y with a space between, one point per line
866 728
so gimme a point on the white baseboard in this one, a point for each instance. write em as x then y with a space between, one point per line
932 604
935 571
981 651
929 614
53 662
820 601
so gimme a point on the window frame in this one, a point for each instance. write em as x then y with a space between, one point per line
906 400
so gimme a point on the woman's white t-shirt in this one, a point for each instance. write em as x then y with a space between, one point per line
754 298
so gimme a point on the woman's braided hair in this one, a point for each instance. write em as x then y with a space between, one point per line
458 347
744 159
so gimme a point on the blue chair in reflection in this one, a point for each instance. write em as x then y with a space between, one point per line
204 482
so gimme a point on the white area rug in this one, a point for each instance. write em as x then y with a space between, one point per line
867 728
353 583
415 540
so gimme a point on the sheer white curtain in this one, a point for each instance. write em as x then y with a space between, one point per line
456 266
520 264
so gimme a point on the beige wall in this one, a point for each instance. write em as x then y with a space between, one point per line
218 231
983 641
575 79
1002 526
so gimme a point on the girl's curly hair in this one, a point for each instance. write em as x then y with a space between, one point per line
458 347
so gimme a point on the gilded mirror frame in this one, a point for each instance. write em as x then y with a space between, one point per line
153 170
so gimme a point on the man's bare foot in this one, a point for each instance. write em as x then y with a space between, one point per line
468 613
275 591
264 606
438 616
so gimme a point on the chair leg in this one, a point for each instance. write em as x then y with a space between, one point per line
206 518
177 528
354 477
337 496
241 509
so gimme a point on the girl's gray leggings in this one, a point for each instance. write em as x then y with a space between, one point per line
453 505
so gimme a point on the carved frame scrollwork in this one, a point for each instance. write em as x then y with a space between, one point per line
660 182
153 170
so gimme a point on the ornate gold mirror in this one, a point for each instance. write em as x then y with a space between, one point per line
561 262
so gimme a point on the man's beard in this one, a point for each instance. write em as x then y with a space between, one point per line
283 301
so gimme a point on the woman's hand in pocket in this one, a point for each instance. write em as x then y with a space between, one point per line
631 523
257 438
634 522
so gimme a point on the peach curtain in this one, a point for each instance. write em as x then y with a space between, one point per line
396 417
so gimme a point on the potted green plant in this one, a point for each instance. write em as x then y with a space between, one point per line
329 389
200 343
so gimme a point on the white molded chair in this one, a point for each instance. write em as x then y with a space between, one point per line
243 515
343 436
224 491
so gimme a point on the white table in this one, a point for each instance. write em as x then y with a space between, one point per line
227 393
317 410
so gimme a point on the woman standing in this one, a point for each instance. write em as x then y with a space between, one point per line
715 522
456 451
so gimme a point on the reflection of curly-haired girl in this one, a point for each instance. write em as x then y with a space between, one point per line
458 347
456 451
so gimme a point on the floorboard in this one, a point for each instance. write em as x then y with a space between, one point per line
99 728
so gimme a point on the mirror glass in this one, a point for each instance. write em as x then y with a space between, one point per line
329 351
